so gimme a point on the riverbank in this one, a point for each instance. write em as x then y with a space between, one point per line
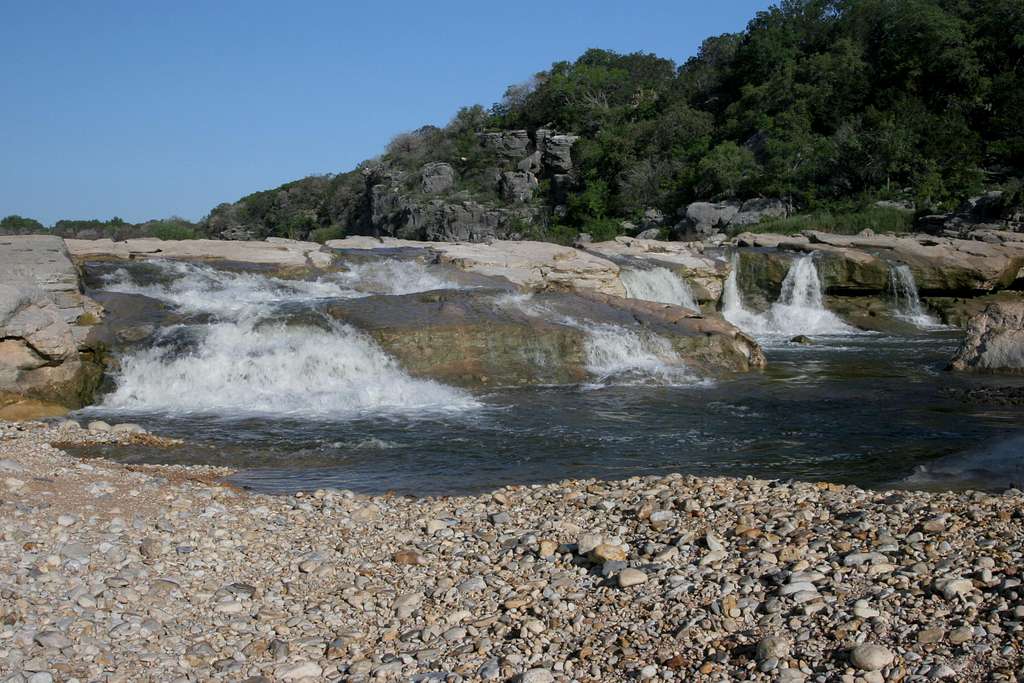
110 571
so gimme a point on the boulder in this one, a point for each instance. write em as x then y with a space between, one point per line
43 262
994 210
556 150
46 364
39 353
511 144
754 211
437 177
703 219
995 340
517 186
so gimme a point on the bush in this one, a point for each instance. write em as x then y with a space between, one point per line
875 218
171 230
331 232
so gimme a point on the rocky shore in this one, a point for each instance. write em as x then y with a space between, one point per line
120 573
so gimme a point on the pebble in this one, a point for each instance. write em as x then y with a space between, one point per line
667 578
870 657
631 577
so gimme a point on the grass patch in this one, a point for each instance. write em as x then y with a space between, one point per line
879 219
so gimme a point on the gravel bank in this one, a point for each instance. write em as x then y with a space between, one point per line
110 573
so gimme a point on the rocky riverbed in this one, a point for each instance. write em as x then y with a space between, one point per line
117 573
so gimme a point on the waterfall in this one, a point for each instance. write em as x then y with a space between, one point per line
248 362
658 284
247 368
618 355
393 277
615 354
906 301
800 308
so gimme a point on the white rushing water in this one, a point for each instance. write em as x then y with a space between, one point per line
199 288
248 368
244 364
906 300
615 354
392 277
658 284
799 310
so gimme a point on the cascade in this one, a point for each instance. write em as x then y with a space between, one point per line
908 304
246 363
615 354
658 284
800 308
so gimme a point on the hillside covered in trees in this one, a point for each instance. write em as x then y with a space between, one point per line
823 107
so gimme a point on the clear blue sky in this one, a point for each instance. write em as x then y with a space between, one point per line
144 109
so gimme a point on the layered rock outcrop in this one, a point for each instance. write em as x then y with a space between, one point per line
494 193
46 365
995 340
273 251
940 265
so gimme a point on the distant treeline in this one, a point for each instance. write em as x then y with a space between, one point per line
173 228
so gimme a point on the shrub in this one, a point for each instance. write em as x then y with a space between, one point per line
331 232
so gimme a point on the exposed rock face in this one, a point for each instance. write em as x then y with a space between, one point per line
44 359
992 211
437 177
556 150
995 340
38 352
754 211
42 261
941 266
513 144
518 186
702 220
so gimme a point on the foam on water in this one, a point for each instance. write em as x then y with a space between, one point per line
997 465
244 364
906 300
658 284
622 356
393 277
799 310
248 368
615 354
199 288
